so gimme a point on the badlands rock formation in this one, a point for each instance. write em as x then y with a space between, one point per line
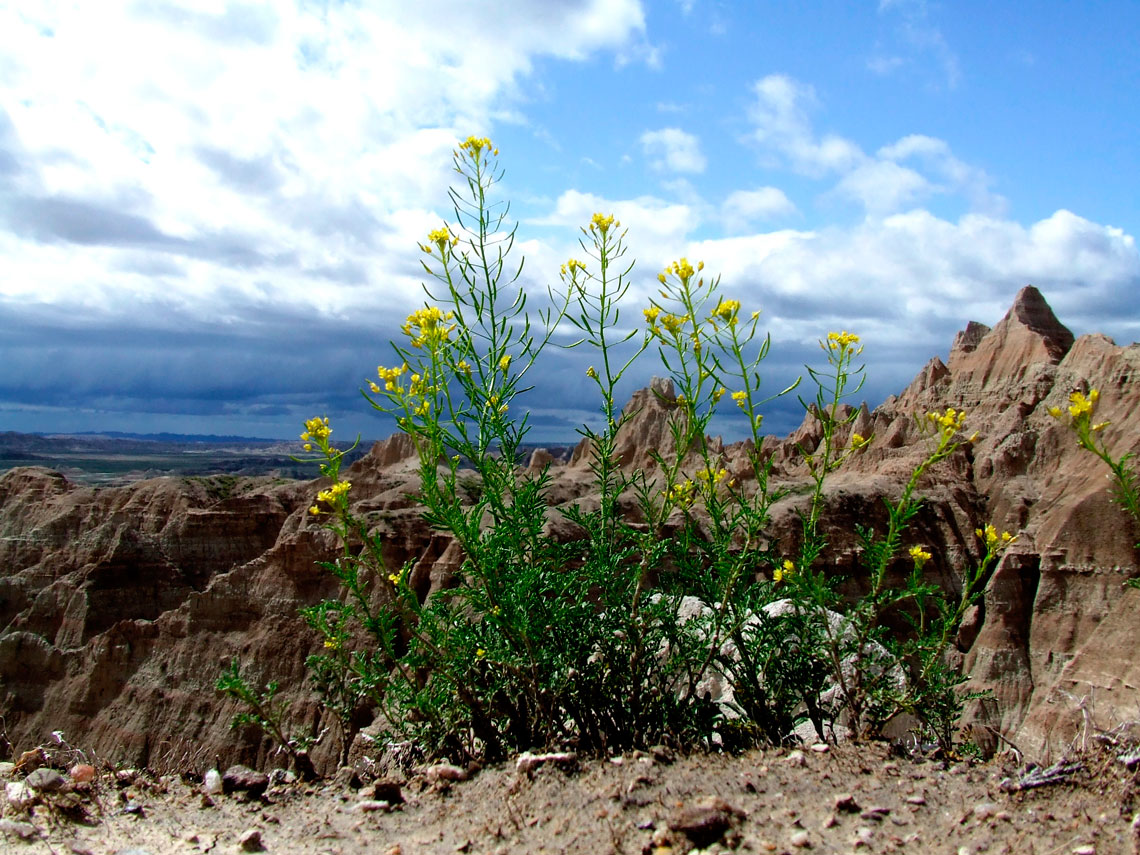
120 606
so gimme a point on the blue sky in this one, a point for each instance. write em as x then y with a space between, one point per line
209 211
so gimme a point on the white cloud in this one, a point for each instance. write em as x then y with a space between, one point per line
743 208
883 187
673 150
917 36
782 126
258 140
897 176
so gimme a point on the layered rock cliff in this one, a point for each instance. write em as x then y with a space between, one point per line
120 606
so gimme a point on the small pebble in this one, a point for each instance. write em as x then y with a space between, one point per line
1087 849
915 800
846 803
46 781
22 830
212 783
986 810
796 758
250 841
82 773
445 772
821 748
801 840
372 806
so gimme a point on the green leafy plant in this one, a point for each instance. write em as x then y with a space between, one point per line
669 616
263 710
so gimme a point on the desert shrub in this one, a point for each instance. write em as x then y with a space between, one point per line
683 627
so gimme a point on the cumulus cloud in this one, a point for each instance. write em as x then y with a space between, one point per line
745 208
673 150
899 175
780 116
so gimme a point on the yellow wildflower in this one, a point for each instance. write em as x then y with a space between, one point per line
308 446
316 428
858 441
718 393
314 510
711 476
919 556
591 373
841 341
673 323
571 268
463 365
785 572
480 653
442 238
1082 406
334 492
726 311
681 269
602 223
505 362
995 541
948 423
741 399
475 146
681 494
426 326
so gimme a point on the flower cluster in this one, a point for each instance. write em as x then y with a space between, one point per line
843 341
332 496
712 477
919 556
572 266
427 326
474 146
390 376
442 239
1081 409
859 441
681 495
682 270
787 571
994 541
948 423
316 429
603 223
726 311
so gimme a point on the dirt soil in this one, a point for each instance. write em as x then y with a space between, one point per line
817 799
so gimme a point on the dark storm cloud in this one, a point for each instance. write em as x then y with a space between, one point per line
79 221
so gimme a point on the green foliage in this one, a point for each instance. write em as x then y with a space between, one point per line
265 711
614 639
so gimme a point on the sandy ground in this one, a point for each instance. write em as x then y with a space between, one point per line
849 798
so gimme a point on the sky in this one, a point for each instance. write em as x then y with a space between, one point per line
210 211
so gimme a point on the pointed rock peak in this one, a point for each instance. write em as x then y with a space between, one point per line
967 340
1030 309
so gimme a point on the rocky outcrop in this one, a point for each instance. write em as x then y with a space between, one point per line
120 606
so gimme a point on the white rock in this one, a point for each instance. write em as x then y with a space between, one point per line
19 794
212 783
